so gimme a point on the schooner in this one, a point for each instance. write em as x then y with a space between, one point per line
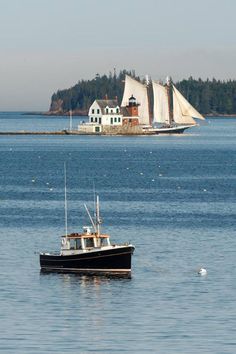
172 113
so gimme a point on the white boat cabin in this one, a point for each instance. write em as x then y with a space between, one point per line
79 243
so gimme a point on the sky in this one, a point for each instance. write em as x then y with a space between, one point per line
47 45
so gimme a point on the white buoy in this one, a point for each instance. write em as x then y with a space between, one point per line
202 271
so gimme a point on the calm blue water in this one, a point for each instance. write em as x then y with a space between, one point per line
173 197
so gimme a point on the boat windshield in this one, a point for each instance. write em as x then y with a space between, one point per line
104 242
89 242
75 244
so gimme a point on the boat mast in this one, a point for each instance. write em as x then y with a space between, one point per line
90 217
169 95
147 81
98 220
70 120
66 230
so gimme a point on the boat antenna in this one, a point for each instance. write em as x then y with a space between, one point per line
66 230
94 199
90 217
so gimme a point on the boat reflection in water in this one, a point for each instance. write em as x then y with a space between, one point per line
89 252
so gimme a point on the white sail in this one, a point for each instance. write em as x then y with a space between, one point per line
139 91
160 104
183 111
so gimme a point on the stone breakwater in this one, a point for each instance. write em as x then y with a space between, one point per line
105 131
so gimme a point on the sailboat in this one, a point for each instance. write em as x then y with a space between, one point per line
88 252
172 113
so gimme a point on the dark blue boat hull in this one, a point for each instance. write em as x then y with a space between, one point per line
112 261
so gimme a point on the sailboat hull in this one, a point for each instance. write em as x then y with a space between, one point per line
170 130
116 260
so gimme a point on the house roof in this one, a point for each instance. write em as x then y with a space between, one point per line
110 103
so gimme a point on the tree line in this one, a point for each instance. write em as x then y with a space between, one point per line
207 96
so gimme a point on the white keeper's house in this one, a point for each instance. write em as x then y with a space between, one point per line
103 112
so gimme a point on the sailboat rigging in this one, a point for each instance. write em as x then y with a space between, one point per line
172 113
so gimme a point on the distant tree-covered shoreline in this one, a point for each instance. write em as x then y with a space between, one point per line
214 97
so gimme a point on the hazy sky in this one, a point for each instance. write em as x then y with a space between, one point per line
48 45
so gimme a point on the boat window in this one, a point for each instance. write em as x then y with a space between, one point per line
104 242
72 244
78 244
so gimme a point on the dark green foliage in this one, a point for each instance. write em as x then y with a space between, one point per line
215 96
82 95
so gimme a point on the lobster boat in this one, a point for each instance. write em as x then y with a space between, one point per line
89 252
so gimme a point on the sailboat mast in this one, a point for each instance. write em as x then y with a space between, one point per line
147 82
169 95
70 120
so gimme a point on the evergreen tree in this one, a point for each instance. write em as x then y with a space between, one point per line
209 96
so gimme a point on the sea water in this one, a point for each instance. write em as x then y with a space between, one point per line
173 197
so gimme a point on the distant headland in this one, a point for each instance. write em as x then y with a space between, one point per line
210 97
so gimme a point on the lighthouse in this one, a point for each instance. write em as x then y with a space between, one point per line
131 112
133 107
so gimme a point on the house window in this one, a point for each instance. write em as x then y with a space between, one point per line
107 110
95 119
117 110
92 111
115 119
91 119
111 110
111 120
119 119
100 120
98 111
